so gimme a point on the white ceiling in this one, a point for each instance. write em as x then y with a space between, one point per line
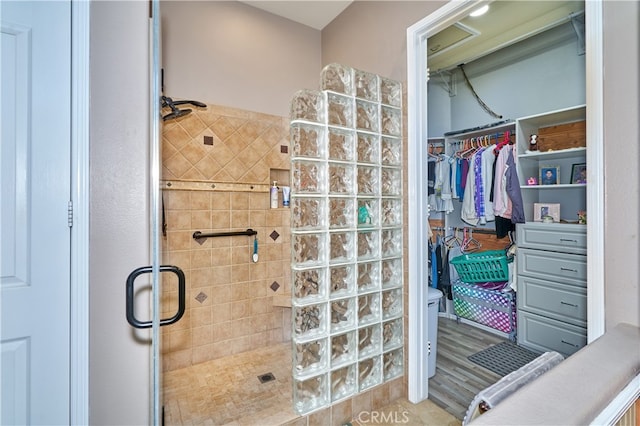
315 14
506 22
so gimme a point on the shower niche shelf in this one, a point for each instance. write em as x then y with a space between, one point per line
346 236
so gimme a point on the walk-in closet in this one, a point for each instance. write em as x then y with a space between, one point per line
506 189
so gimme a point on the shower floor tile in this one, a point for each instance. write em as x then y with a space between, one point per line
227 391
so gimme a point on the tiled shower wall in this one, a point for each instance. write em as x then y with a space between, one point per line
217 165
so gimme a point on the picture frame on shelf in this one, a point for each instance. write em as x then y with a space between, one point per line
543 211
579 173
549 175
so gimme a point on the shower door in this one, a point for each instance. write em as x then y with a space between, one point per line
155 273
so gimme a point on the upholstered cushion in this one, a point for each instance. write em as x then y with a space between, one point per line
576 390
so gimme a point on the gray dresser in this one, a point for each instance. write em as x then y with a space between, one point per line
552 286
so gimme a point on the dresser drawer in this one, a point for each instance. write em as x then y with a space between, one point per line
545 334
560 267
552 236
554 300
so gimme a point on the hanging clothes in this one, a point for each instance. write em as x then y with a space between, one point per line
502 203
468 211
488 160
445 188
513 190
440 200
433 281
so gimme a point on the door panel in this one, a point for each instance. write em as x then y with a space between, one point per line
34 223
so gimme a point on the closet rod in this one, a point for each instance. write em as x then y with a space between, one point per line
452 228
199 235
496 135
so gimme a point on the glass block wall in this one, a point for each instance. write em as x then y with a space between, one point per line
346 236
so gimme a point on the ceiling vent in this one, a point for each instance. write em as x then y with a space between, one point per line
450 37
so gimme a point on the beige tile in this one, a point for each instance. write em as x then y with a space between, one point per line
220 201
259 201
241 274
360 403
201 277
220 256
223 332
168 150
275 269
208 166
221 312
178 219
193 151
380 396
240 309
202 335
202 315
179 340
273 218
223 128
177 164
179 258
341 413
221 220
200 219
201 258
176 135
320 417
240 220
239 201
220 274
179 240
192 124
397 388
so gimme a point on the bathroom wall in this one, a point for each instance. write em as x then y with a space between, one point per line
372 35
217 165
230 53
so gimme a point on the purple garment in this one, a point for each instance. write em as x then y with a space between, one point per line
459 190
464 171
513 190
479 194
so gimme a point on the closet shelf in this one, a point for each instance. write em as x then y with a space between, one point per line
562 153
558 186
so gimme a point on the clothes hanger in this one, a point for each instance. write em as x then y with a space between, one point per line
506 140
452 240
469 243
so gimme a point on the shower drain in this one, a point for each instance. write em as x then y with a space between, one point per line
264 378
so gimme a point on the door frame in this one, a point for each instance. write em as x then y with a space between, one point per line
79 194
417 77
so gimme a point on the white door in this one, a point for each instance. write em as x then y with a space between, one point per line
34 224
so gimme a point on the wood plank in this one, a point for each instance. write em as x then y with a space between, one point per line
457 380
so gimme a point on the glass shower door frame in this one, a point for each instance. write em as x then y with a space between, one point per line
155 208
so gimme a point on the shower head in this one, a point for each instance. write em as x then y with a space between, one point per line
176 113
167 102
194 103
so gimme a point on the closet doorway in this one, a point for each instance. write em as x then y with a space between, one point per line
418 134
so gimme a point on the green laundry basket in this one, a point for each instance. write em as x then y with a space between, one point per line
483 266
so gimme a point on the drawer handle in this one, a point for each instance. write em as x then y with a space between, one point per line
569 270
567 240
568 304
570 344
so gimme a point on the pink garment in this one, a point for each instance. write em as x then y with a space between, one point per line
501 201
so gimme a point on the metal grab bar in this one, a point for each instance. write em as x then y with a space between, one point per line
199 235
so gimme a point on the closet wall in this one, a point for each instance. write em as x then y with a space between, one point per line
543 73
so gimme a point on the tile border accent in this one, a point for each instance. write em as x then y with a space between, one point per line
194 185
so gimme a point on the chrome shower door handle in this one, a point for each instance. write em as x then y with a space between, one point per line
131 318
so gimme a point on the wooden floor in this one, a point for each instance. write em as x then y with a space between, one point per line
458 380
